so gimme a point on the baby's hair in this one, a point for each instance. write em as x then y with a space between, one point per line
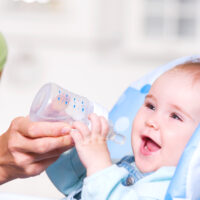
191 68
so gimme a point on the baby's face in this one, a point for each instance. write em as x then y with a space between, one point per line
166 121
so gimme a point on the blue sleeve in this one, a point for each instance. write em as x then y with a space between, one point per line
107 184
67 173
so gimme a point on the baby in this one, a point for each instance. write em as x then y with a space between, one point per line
161 129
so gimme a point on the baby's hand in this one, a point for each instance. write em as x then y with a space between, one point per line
91 144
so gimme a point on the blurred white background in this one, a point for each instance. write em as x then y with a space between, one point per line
94 48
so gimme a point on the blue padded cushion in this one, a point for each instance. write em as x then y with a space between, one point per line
124 111
178 186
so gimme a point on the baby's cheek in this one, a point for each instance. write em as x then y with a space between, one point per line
173 152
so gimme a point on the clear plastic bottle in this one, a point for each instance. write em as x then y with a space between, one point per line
53 103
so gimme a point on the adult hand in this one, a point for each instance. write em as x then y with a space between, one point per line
28 148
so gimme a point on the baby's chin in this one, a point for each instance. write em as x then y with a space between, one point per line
146 168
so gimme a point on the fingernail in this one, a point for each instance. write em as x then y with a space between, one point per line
65 130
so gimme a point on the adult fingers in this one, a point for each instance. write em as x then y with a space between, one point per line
37 167
34 157
39 129
43 145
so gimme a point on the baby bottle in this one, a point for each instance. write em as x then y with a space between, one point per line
53 103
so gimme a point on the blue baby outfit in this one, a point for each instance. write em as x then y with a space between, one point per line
124 181
134 174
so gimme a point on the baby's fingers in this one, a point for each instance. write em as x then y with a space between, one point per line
95 124
77 137
81 128
104 126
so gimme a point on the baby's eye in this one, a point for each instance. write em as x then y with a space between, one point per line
150 106
175 116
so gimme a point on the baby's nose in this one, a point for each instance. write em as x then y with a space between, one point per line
152 124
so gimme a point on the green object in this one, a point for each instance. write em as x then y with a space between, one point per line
3 52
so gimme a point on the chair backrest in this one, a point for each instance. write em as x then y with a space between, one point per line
184 184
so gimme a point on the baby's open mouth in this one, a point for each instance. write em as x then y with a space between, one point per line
148 146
